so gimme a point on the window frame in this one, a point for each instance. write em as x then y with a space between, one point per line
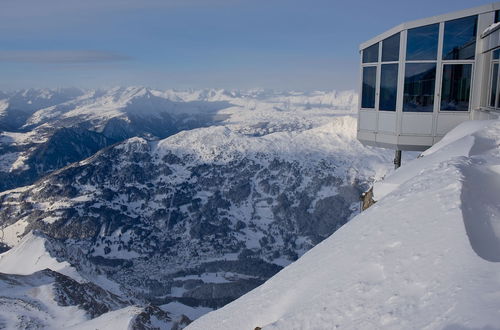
456 62
399 34
401 55
490 82
397 86
378 54
476 40
435 83
438 46
377 78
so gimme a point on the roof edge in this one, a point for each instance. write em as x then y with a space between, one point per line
431 20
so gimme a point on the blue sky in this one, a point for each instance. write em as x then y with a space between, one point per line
280 44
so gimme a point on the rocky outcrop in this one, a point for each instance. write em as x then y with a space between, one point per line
145 218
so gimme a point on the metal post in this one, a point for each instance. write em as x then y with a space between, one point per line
397 159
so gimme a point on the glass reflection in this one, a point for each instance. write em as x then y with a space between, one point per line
370 54
422 43
494 83
390 49
368 89
388 87
455 90
496 54
420 81
460 39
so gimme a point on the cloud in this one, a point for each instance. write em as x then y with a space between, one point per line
60 56
36 8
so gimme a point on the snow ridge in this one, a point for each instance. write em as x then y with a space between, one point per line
424 256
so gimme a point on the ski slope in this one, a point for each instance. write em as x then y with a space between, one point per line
425 256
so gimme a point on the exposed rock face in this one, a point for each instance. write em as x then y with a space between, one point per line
34 301
64 146
153 220
46 130
193 220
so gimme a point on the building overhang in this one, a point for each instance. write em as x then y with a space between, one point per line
430 20
410 99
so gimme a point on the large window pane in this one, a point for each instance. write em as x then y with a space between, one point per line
390 49
420 81
496 54
460 39
370 54
388 87
368 92
494 83
455 90
422 43
497 16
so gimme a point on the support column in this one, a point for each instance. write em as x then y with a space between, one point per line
397 159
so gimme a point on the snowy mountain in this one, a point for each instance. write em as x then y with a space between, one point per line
193 221
42 292
17 107
425 256
44 130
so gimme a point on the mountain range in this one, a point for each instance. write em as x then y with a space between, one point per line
169 203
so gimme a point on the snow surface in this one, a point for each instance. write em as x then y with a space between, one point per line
336 136
431 157
12 234
307 127
30 256
114 320
29 303
4 104
490 29
176 308
425 256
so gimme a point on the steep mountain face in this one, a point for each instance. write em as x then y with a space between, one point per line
425 256
193 221
42 292
27 163
45 130
17 107
187 223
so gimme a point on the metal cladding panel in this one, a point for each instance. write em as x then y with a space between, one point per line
485 114
368 120
366 136
437 139
412 147
417 124
491 41
446 122
370 143
415 142
387 122
387 139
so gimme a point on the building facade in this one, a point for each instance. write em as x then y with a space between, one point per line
422 78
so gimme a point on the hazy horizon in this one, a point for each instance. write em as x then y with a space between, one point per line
194 44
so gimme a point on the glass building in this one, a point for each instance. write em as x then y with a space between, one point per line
421 79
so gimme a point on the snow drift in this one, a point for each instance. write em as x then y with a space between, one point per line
425 256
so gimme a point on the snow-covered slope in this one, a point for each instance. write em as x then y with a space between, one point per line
49 300
35 257
38 291
425 256
45 130
195 220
